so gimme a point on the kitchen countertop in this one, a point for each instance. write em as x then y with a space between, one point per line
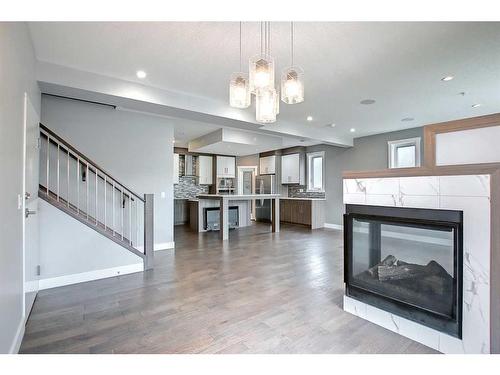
235 197
304 199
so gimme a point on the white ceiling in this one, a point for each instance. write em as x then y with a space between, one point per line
397 64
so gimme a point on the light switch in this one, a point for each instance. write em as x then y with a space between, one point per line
19 202
163 195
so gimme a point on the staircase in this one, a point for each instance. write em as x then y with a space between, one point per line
76 185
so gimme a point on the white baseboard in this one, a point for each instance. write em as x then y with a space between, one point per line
18 338
164 246
334 226
54 282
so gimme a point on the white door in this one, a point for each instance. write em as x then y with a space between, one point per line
30 206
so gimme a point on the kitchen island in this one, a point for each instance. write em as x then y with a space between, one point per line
223 201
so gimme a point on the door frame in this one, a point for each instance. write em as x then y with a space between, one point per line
253 169
27 102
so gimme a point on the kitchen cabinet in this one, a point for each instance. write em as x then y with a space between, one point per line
267 165
181 211
176 169
309 212
204 170
226 166
293 169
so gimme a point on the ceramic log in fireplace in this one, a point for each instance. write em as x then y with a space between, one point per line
407 261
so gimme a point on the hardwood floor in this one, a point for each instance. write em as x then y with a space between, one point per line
259 292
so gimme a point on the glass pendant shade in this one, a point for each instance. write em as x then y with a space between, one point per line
239 91
266 100
292 85
261 72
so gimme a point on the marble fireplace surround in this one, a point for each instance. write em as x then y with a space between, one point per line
472 195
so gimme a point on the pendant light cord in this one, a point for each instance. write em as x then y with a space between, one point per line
269 37
261 37
291 41
240 46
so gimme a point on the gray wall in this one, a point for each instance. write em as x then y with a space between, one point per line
368 153
17 76
135 148
69 247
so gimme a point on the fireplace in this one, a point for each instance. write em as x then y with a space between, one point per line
407 261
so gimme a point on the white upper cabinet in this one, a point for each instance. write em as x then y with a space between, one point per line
176 169
292 169
226 166
204 170
267 165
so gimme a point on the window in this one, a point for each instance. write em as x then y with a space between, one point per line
404 153
315 171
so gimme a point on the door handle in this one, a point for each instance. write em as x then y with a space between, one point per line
28 212
27 195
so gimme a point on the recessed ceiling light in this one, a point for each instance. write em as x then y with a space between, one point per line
406 119
367 101
447 78
332 125
352 130
476 105
309 118
141 74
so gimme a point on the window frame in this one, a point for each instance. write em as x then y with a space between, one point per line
392 147
310 172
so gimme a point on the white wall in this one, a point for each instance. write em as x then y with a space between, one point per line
69 247
17 76
135 148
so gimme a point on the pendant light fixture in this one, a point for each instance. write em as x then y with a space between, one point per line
261 66
292 78
260 81
262 72
266 100
239 90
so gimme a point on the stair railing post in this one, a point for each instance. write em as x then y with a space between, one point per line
148 231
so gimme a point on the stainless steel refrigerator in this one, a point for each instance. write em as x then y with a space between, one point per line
265 184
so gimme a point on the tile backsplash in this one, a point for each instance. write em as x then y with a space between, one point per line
188 188
300 191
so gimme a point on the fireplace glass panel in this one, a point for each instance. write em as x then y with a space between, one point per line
408 263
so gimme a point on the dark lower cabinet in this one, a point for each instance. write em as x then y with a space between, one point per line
295 211
181 211
303 211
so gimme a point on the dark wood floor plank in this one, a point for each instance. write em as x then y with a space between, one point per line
259 292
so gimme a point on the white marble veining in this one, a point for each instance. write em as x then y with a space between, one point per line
426 185
470 194
381 185
354 186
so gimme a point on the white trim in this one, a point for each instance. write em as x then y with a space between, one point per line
334 226
18 338
54 282
310 156
393 145
254 169
164 246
